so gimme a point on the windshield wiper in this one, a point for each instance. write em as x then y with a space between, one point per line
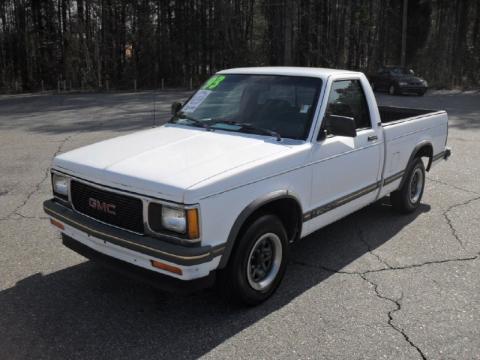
182 115
247 126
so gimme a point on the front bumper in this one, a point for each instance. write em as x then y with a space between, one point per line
152 278
195 261
413 89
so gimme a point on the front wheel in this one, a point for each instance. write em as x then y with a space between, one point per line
392 90
407 199
258 262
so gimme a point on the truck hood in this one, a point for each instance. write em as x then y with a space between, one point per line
164 162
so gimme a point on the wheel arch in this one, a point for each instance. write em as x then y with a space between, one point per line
422 149
279 203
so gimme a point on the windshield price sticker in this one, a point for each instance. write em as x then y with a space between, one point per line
196 100
213 82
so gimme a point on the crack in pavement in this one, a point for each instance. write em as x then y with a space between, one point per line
396 302
37 186
26 217
398 307
391 268
453 186
369 248
426 263
453 230
447 218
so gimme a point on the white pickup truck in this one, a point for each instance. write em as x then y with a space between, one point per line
256 159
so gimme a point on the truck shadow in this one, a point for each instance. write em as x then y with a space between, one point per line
86 311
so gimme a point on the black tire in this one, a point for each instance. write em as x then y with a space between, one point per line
421 93
408 198
234 282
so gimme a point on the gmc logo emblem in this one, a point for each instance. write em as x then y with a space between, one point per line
102 206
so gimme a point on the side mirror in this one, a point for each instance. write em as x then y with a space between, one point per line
176 107
340 125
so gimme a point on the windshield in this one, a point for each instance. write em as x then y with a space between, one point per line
281 106
402 71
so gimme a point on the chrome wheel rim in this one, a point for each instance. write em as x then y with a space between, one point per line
264 261
416 185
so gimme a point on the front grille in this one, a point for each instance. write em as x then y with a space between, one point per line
112 208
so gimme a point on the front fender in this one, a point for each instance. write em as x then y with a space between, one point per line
245 214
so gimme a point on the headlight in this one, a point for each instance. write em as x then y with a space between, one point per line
175 219
402 83
60 186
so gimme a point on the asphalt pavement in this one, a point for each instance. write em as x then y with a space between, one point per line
373 285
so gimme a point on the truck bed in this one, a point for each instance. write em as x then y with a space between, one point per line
390 114
404 129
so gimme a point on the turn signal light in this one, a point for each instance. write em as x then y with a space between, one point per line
166 267
193 225
58 224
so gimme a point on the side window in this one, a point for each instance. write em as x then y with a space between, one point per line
347 99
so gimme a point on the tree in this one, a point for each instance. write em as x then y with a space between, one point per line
88 42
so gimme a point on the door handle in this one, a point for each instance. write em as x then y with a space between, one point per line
372 138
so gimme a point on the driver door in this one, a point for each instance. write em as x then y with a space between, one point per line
345 170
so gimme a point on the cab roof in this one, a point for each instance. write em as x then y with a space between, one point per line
288 71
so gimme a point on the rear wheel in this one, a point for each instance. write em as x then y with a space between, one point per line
258 262
407 199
